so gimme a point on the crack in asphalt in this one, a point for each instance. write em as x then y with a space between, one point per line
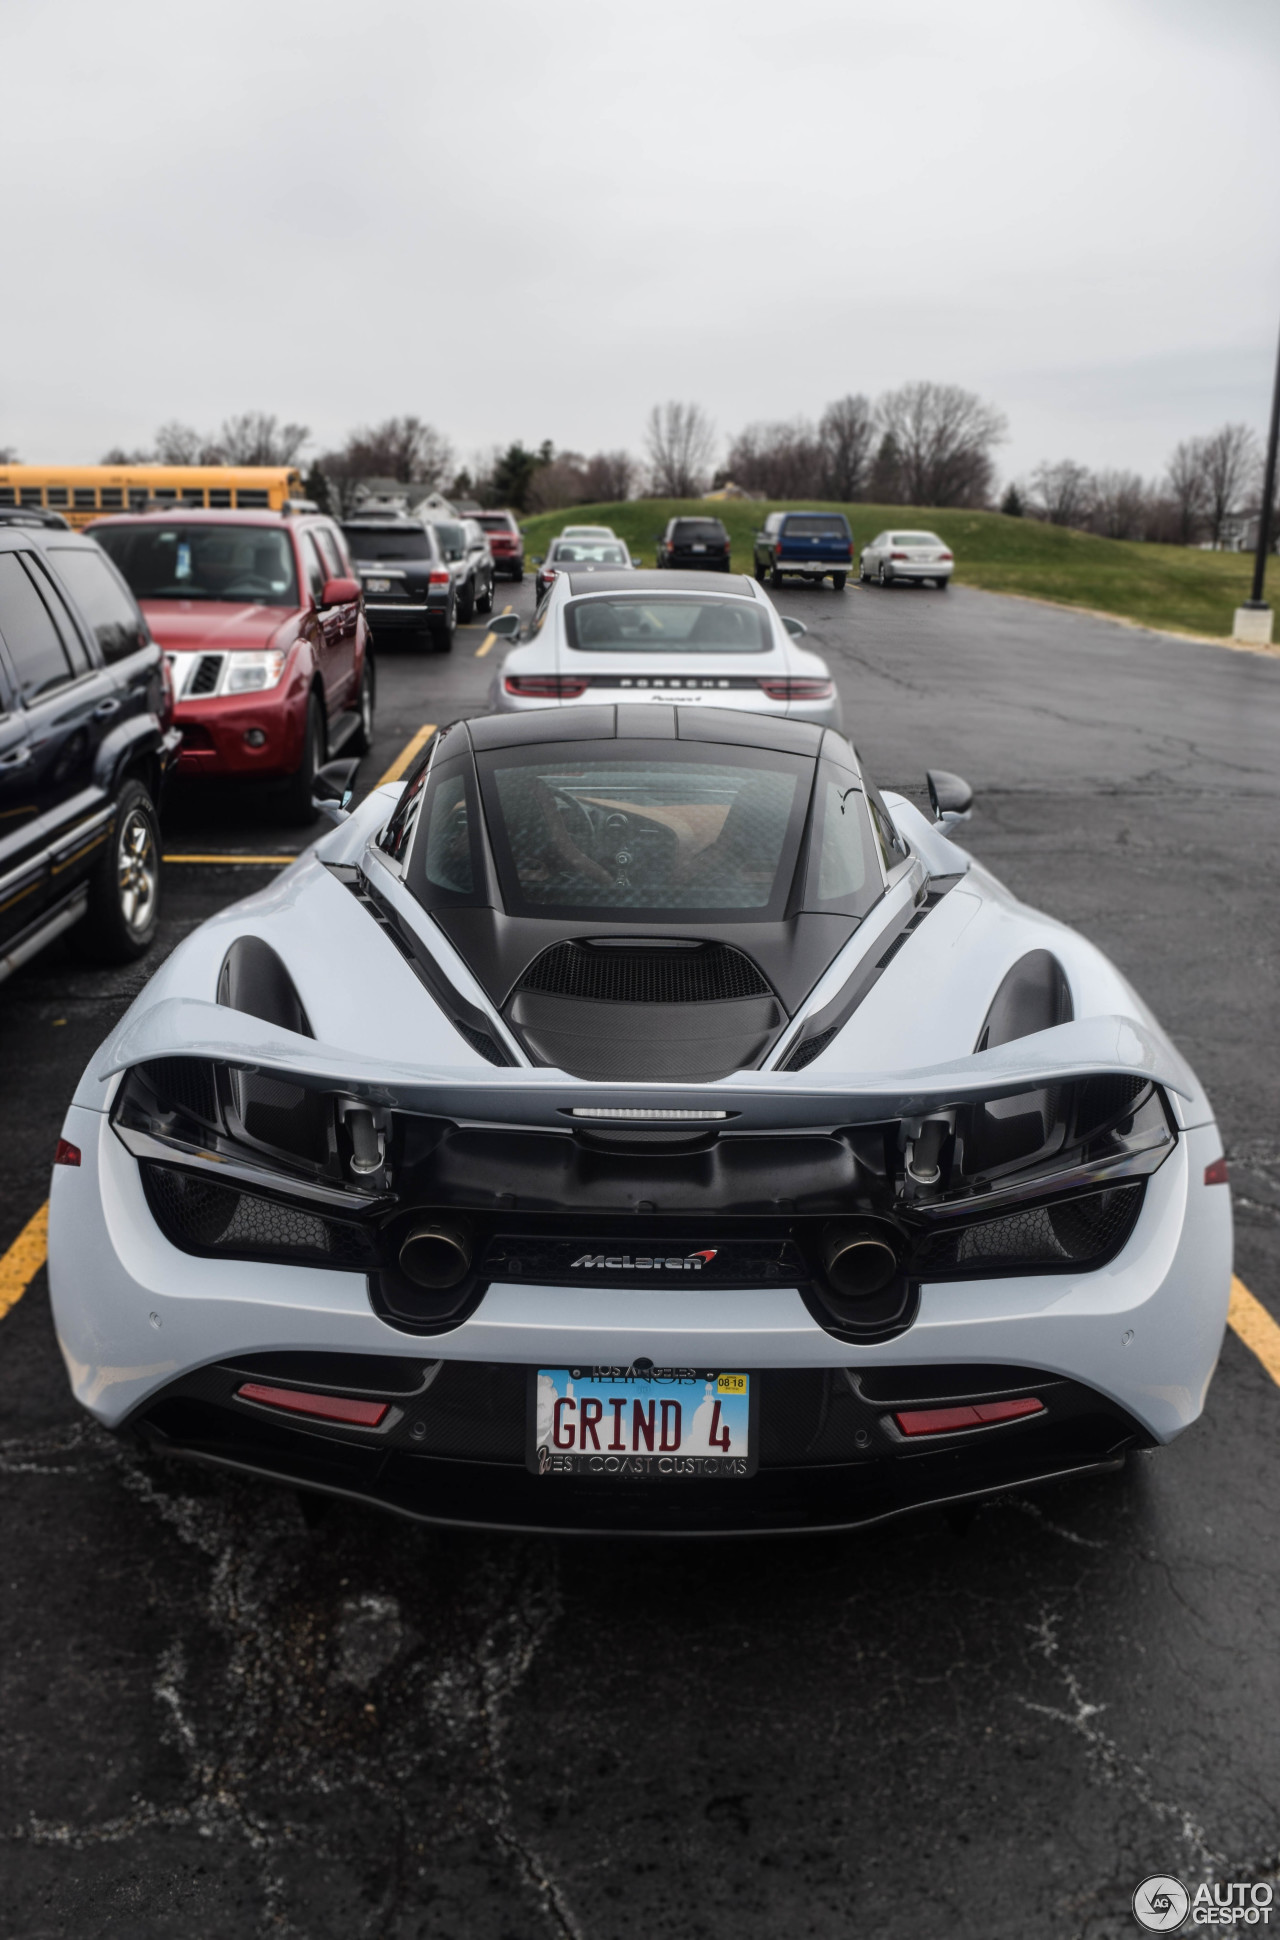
280 1711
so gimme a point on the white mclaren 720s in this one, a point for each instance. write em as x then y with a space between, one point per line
635 1121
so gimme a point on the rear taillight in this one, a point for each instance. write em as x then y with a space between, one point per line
946 555
69 1154
792 689
951 1421
899 555
321 1407
438 578
777 551
545 687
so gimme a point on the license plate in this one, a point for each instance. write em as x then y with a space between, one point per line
377 586
697 548
648 1424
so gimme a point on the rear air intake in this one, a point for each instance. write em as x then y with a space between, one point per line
645 973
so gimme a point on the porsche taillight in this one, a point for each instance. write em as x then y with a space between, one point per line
789 688
545 687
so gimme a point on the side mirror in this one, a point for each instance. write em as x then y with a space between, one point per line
636 560
333 788
794 627
340 592
950 797
506 626
537 558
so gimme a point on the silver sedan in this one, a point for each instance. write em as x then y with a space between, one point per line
633 636
906 555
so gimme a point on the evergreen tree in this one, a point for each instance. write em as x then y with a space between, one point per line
1011 503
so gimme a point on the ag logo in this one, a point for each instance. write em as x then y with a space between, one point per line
1161 1903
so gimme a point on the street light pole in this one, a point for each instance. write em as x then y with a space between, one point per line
1249 621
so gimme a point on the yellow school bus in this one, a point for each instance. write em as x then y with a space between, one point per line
84 492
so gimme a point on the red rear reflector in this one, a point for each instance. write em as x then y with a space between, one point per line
325 1407
790 689
68 1154
945 1421
1214 1175
545 687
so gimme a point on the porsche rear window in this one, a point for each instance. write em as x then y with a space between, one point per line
619 828
665 624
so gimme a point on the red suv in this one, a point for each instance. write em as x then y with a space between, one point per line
262 624
506 541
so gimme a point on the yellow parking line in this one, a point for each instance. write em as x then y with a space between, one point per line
252 861
406 755
24 1259
489 638
1255 1327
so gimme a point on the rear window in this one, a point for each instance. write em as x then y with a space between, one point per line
914 539
816 525
390 542
240 563
589 552
667 625
616 827
495 522
686 530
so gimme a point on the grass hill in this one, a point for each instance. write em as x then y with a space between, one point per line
1177 588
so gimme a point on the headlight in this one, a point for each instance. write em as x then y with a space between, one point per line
249 673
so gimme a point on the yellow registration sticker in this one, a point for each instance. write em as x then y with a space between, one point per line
731 1384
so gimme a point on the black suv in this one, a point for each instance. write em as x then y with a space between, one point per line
703 543
86 738
410 592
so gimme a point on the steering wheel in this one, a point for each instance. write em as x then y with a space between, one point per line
579 825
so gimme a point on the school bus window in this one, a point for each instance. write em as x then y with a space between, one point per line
7 495
57 495
193 495
164 493
112 498
219 498
85 498
138 497
32 495
254 500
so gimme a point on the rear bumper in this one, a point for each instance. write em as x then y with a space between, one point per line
701 562
453 1448
909 569
819 566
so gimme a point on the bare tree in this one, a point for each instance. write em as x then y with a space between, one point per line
1063 492
1121 503
406 449
9 456
943 436
680 440
846 434
781 460
1229 459
258 438
609 477
182 444
1185 484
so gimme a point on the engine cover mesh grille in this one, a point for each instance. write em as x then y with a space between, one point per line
648 975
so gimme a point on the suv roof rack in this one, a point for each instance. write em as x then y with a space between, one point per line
298 505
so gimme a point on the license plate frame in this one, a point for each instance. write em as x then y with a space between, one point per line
649 1387
376 585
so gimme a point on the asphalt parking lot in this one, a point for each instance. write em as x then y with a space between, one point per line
226 1710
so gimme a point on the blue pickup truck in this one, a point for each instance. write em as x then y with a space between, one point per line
808 545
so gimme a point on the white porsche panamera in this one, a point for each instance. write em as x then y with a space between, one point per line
635 1121
634 636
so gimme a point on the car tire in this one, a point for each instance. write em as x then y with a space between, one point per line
298 808
942 584
775 577
886 579
442 631
485 605
838 580
124 889
467 604
362 740
762 573
862 574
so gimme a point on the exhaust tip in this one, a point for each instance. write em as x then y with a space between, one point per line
435 1256
859 1260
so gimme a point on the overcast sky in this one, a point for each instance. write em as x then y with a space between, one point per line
536 221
